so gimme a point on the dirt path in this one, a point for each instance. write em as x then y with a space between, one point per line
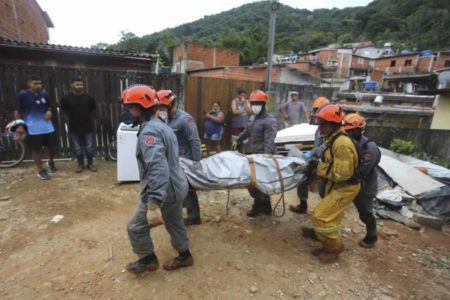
70 260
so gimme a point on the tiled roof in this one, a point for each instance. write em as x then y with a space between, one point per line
4 42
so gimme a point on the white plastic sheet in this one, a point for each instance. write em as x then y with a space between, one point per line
231 170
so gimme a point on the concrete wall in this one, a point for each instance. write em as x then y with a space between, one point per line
441 117
431 142
22 20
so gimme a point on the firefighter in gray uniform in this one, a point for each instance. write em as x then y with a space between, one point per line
189 144
354 125
316 153
261 132
163 184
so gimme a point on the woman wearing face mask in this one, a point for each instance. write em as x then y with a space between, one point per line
214 123
185 129
261 132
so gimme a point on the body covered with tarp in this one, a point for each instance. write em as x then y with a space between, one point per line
232 170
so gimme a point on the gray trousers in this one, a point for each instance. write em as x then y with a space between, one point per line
139 228
364 205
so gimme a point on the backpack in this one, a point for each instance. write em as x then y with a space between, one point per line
358 174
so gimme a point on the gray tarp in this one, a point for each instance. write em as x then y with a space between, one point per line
231 170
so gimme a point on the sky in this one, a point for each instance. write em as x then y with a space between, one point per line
88 22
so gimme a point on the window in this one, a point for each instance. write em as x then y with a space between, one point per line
393 63
408 62
360 61
447 64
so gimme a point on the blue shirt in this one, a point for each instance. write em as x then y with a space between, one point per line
33 107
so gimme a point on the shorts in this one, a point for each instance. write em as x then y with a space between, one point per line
213 137
37 141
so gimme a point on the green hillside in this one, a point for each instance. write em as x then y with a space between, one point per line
407 24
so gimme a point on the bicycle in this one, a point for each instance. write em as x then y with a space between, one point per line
12 151
112 150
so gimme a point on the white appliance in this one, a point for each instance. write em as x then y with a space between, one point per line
127 167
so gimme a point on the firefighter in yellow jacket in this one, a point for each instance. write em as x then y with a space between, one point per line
338 168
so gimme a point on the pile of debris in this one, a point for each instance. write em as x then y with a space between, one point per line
412 191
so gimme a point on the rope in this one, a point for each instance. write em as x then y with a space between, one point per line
281 199
228 202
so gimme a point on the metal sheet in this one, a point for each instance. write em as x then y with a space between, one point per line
410 179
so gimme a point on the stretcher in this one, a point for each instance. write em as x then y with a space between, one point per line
271 174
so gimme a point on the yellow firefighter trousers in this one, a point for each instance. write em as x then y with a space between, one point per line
328 214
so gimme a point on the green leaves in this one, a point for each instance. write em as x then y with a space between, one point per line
410 23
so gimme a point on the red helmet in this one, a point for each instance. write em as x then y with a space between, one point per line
319 102
166 97
330 113
141 94
258 96
352 121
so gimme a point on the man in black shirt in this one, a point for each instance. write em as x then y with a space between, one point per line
78 109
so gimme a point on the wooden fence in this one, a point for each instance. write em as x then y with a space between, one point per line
104 85
202 92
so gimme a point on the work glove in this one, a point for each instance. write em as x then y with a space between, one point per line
234 145
155 218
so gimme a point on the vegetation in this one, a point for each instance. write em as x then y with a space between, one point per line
408 24
402 146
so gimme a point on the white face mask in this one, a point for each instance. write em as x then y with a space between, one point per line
256 109
163 115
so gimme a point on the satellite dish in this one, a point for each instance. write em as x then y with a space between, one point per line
444 78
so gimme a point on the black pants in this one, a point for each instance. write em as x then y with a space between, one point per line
302 192
192 206
261 200
364 205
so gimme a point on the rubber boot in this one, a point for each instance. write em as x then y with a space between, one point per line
331 250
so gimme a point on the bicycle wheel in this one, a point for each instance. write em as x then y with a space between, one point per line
112 150
12 152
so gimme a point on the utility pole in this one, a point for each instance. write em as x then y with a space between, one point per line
274 6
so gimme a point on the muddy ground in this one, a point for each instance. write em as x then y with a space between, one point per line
84 255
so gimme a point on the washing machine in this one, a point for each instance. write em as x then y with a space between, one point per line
127 167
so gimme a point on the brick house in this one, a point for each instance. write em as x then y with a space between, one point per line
281 73
24 20
190 56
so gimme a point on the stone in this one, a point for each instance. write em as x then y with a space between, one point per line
429 221
253 289
218 219
5 198
247 231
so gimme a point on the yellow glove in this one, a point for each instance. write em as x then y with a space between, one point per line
154 217
234 145
152 206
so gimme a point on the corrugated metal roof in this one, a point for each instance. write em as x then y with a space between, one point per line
75 50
